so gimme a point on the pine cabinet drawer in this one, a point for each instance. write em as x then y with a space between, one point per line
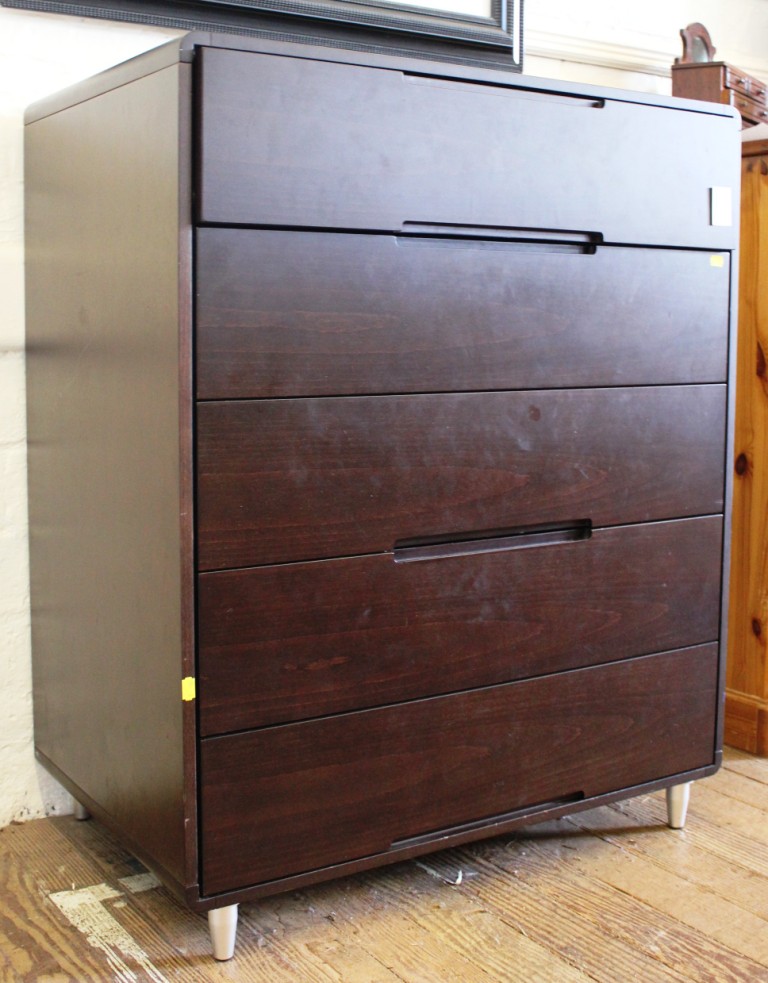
303 314
287 799
302 640
317 144
299 479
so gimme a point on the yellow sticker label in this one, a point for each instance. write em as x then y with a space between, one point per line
188 688
717 260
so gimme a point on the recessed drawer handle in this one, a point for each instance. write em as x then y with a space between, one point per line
499 88
476 235
496 820
518 538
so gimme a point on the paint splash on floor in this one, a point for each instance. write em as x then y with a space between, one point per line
84 909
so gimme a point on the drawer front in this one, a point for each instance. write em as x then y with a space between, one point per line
751 109
757 89
736 80
746 84
294 142
302 314
283 480
307 639
302 796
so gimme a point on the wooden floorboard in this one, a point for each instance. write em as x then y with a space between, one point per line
608 895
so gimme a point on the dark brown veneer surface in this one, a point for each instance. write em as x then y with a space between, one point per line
305 639
404 149
292 798
296 479
305 314
438 544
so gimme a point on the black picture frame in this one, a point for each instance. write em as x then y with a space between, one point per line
379 25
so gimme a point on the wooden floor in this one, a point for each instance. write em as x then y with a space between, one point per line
609 895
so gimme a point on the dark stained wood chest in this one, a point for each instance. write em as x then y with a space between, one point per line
379 441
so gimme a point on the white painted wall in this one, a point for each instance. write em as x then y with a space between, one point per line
630 45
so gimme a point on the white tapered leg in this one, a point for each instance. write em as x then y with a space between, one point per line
80 812
677 804
222 923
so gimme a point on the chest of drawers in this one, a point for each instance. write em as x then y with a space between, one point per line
378 419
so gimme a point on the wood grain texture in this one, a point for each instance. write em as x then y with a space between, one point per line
301 640
703 81
104 462
746 722
603 895
700 868
366 148
460 929
753 148
307 795
747 765
576 938
301 314
282 480
634 903
747 670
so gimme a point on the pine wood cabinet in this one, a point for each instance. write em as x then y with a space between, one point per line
746 714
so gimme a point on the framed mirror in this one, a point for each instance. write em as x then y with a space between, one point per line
697 45
470 31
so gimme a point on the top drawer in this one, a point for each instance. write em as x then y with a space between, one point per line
746 84
313 144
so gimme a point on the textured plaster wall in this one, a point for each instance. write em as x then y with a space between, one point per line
630 45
